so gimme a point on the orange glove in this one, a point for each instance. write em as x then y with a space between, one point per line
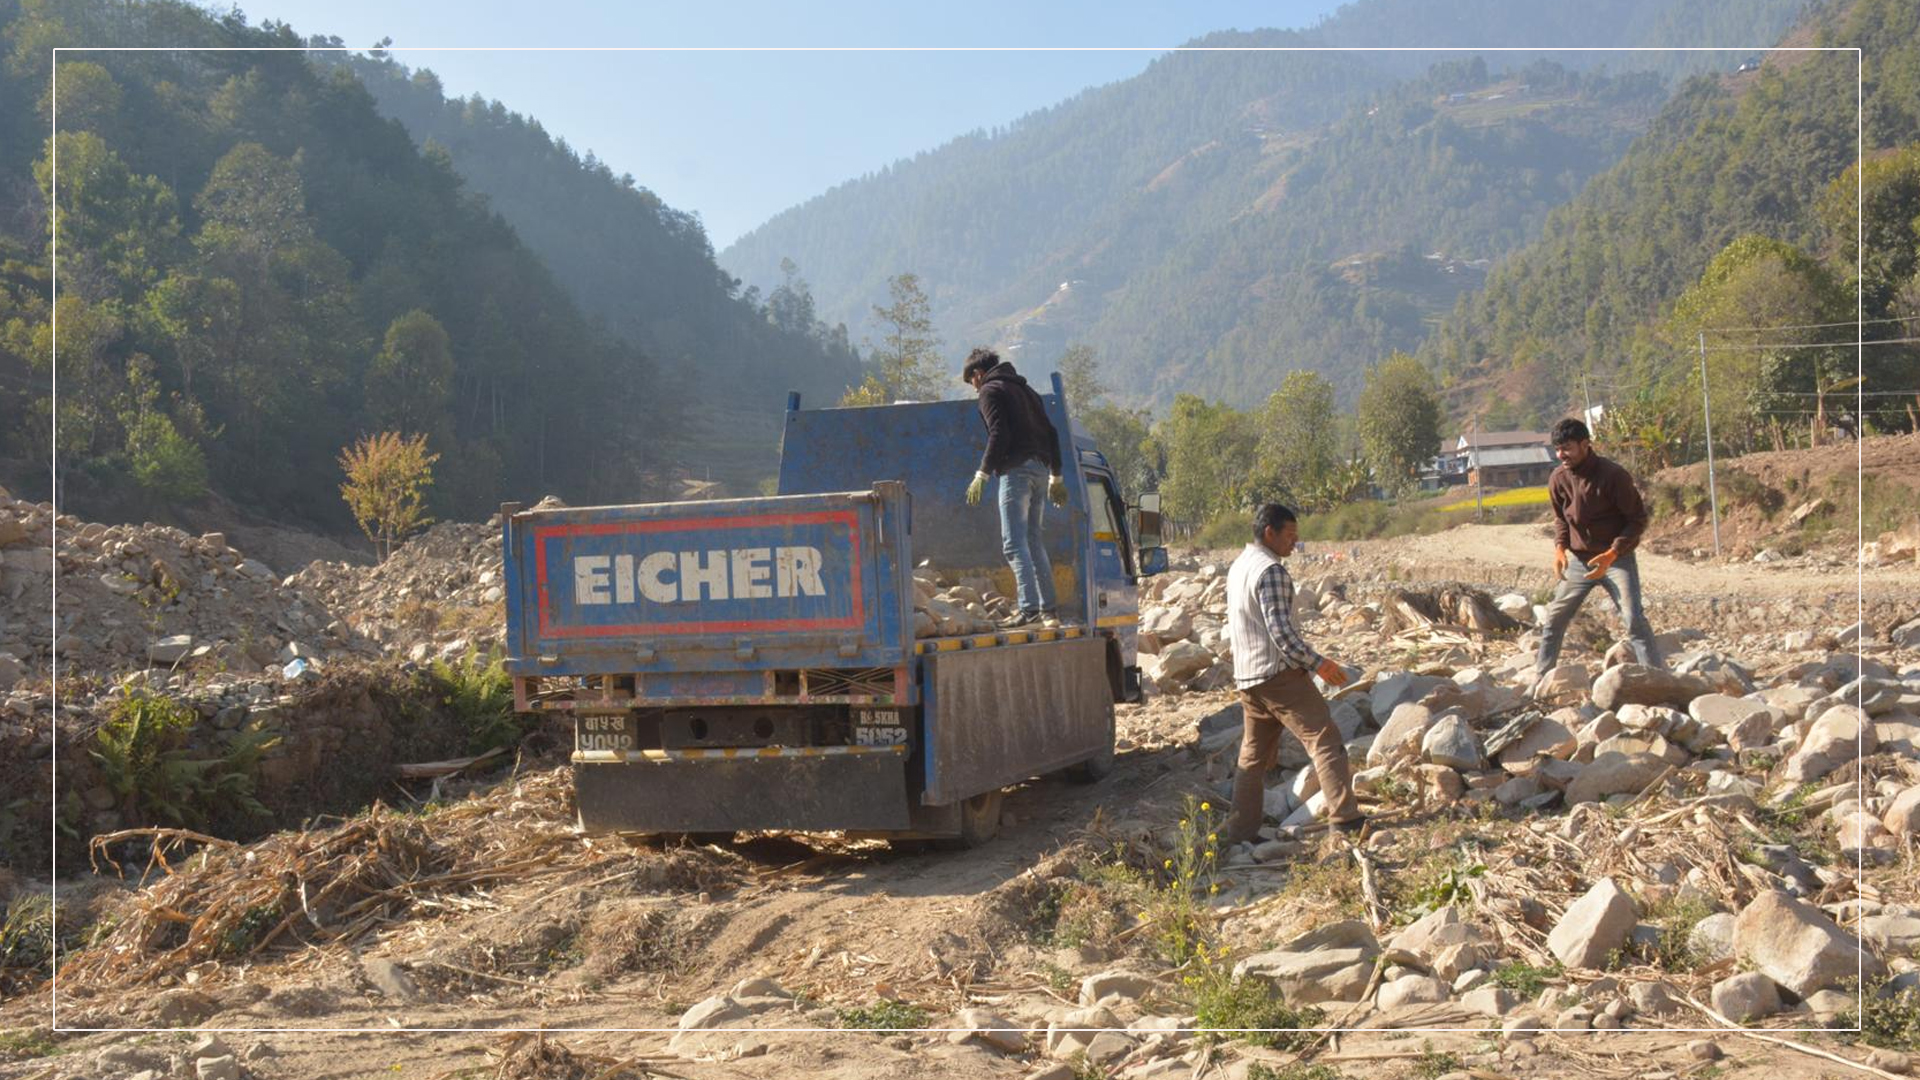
1331 673
1598 567
1560 562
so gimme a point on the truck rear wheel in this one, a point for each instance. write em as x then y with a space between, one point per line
979 822
697 839
1100 764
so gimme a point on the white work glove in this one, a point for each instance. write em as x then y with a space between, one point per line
975 489
1056 491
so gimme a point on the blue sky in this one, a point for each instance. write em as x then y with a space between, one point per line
739 136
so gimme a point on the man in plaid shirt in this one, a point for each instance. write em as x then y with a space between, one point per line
1274 667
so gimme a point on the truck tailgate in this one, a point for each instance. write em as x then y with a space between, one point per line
737 585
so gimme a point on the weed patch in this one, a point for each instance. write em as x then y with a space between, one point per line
1527 980
1433 1064
1890 1021
1672 951
1293 1070
25 1043
884 1015
1251 1011
146 760
479 693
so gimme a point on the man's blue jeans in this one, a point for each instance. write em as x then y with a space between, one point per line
1622 582
1023 510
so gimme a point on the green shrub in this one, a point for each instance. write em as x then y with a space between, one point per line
1890 1020
1737 487
1433 1064
27 1043
1224 1005
1293 1070
1676 920
1354 521
885 1015
1525 979
145 759
1230 529
26 937
479 693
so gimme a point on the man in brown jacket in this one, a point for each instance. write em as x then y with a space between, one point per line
1598 517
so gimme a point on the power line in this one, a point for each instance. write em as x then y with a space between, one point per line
1767 346
1838 395
1813 326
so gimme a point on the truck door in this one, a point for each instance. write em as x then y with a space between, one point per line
1116 602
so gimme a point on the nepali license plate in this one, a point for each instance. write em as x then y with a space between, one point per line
616 733
879 727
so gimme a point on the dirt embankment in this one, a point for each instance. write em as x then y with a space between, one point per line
1795 500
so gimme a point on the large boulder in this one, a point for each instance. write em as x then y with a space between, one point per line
1535 735
1566 684
1614 773
1434 933
1841 734
1451 742
1745 723
1711 939
1332 963
1161 625
1400 736
1749 995
1638 684
1414 989
1396 688
1797 946
1593 926
1180 661
1902 818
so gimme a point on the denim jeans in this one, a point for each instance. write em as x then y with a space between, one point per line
1622 582
1023 510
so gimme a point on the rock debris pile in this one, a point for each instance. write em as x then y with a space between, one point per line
439 594
148 596
946 607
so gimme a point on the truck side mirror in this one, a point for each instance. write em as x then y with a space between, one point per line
1146 528
1153 560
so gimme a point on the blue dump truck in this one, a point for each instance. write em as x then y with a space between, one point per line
752 664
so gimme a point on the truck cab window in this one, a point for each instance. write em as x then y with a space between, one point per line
1109 513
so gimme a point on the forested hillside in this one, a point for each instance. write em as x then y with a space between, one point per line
1230 167
627 258
1752 155
256 268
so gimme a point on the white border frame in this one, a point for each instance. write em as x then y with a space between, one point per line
54 425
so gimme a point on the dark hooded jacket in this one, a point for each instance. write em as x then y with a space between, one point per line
1017 426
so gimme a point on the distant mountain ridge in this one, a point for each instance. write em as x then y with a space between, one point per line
644 268
1162 202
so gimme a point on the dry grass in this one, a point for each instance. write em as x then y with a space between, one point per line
227 902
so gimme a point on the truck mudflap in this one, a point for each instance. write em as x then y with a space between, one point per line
829 788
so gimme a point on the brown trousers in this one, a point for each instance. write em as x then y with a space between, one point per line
1291 701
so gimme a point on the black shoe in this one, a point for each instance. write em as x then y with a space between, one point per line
1024 618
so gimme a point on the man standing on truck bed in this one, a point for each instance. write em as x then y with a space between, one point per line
1598 517
1274 666
1023 450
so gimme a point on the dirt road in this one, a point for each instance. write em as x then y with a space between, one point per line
1521 555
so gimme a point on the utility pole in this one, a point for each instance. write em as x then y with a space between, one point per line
1706 411
1473 458
1587 396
